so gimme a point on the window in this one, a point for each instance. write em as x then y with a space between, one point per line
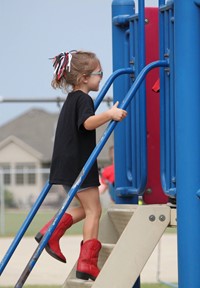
25 174
31 178
6 173
19 176
46 170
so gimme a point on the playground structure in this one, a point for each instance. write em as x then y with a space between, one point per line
128 228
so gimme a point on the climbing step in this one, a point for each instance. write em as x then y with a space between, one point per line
103 256
120 216
129 234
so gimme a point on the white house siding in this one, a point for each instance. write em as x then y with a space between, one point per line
24 194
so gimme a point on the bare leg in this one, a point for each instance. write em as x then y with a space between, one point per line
77 213
90 202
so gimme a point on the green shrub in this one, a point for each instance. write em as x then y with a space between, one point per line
9 200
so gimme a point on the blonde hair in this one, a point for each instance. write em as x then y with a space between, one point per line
79 63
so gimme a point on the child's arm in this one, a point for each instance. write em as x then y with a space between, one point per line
114 113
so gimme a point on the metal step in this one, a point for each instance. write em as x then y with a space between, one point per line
73 282
120 216
105 253
134 247
129 234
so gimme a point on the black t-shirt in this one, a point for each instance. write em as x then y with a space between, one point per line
73 143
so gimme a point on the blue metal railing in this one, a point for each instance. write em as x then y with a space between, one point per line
140 108
129 96
133 162
121 11
24 226
47 186
132 127
109 82
167 100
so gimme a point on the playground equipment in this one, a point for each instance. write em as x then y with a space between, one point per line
130 232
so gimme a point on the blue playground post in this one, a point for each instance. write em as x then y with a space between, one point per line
187 92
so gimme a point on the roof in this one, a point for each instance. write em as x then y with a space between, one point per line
22 145
36 128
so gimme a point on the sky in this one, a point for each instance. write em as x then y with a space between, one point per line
33 31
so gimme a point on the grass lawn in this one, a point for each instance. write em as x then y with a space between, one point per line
15 218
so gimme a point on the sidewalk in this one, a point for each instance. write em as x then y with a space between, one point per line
48 271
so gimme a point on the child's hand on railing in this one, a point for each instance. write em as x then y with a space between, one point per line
97 120
116 113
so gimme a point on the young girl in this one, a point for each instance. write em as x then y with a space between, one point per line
75 139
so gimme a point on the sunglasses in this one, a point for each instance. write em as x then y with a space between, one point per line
100 73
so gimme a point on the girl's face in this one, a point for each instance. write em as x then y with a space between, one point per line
94 79
90 82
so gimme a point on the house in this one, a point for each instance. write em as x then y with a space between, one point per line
26 145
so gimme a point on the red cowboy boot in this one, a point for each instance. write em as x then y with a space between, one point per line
87 262
53 247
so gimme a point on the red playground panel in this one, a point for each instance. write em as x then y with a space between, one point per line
153 193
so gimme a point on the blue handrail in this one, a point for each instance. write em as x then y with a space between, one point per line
167 105
48 186
142 162
72 192
136 125
109 82
24 226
